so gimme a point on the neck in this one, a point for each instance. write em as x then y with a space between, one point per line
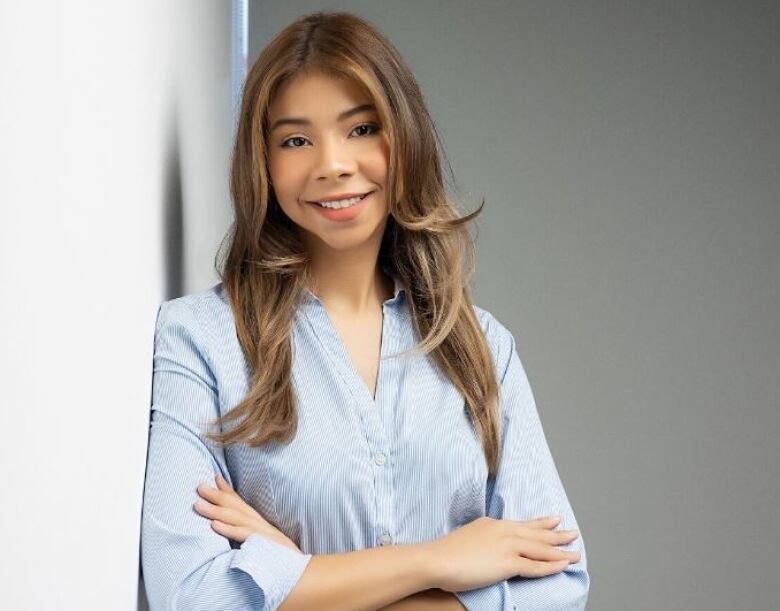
350 281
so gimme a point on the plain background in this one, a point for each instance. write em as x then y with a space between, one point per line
628 154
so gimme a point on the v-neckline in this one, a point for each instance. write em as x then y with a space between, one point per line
328 335
345 358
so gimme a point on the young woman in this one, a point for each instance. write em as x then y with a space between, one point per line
335 426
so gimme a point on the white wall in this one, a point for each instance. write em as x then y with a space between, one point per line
115 124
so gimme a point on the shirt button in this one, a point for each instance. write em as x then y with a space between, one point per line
380 459
385 539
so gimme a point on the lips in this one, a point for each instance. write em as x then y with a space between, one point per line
363 195
348 214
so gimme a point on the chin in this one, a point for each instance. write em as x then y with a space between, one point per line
348 238
344 242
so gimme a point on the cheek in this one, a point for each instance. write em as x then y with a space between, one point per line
276 173
378 165
285 179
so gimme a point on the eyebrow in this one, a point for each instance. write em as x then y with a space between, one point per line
301 121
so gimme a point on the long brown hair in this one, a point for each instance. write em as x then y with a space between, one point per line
426 244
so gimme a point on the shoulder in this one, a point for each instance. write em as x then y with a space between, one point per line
500 339
197 319
199 309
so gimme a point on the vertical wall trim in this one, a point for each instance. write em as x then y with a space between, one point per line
238 53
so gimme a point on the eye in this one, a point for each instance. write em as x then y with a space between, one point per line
372 126
284 144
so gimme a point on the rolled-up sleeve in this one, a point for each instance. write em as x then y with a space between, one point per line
185 563
527 486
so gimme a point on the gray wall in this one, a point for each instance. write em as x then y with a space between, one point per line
631 241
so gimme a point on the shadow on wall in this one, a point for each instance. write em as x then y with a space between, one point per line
173 253
143 605
173 214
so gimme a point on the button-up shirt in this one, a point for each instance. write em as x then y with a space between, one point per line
404 466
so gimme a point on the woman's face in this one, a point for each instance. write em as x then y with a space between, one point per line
321 145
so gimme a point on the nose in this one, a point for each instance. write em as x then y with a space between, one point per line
335 159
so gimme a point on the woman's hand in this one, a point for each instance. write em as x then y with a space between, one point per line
487 551
232 517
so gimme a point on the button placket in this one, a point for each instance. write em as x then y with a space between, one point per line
380 442
374 416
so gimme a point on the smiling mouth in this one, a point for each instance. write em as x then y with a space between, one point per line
362 197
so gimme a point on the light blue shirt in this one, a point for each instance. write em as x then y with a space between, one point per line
403 468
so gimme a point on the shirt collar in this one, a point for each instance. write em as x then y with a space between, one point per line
397 286
398 291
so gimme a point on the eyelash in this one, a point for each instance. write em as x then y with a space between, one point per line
372 125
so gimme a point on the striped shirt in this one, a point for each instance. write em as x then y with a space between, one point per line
403 467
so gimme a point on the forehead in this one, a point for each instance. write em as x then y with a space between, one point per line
316 95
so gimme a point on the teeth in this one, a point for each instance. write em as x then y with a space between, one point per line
341 203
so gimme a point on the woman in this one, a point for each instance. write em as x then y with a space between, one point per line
335 425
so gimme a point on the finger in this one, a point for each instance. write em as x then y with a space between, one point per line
209 493
205 509
536 550
536 568
223 489
230 518
552 554
546 522
223 484
227 515
227 498
223 494
231 532
553 537
230 499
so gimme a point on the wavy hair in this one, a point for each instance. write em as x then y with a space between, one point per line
426 244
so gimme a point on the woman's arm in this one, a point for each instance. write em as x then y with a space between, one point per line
395 578
365 579
526 486
185 563
427 600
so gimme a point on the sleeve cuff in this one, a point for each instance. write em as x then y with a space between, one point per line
275 568
488 598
